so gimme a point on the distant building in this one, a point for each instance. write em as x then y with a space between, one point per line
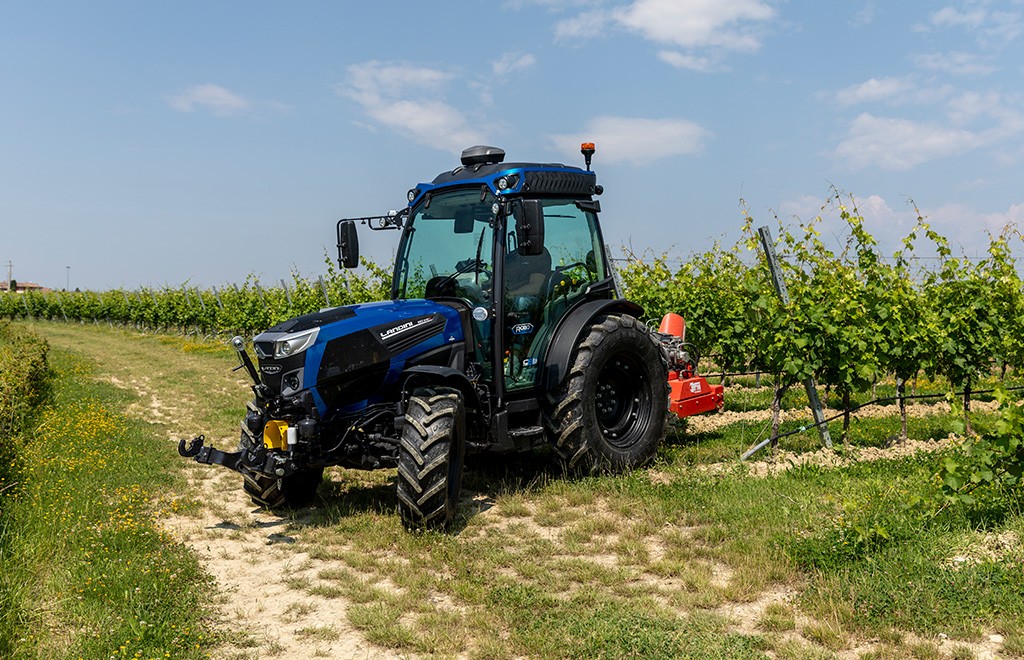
22 287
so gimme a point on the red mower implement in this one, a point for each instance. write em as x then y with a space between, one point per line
689 394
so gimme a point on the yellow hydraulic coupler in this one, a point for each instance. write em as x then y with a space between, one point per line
275 434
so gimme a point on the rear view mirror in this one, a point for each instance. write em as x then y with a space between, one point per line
464 221
348 244
530 226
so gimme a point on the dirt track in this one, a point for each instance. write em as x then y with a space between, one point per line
250 554
265 614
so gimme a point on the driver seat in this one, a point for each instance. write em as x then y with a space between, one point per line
527 275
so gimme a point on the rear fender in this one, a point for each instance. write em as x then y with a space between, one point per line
570 332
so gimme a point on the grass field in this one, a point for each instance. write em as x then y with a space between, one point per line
91 571
698 555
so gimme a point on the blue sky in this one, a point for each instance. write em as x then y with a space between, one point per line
147 143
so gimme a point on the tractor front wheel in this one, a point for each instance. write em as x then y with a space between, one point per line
291 492
609 413
430 457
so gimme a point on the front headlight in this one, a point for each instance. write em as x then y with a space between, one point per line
294 344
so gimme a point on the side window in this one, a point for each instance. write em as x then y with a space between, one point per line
570 235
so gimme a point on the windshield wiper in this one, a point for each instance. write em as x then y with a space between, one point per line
479 246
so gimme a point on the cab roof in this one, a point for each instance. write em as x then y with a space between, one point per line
512 179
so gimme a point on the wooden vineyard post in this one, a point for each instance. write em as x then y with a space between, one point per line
61 303
287 293
263 300
327 301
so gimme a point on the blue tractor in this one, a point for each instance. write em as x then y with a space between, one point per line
504 332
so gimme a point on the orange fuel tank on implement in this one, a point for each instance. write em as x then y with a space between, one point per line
673 324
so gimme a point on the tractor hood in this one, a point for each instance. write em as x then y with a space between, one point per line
354 354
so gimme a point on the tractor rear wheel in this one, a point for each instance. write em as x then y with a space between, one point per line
609 413
291 492
430 457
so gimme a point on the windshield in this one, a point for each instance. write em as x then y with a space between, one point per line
446 249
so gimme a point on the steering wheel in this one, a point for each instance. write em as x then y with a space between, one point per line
478 266
556 279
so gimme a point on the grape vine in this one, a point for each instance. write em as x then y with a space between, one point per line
244 309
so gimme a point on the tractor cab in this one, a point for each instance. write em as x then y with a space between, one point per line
512 246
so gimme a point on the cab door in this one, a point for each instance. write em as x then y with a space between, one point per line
538 290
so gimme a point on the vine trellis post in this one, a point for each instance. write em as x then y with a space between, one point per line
812 392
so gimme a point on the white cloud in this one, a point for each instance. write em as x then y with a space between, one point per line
900 144
953 17
638 141
582 27
864 16
406 99
875 89
972 120
955 62
690 25
1006 25
1007 121
215 99
966 228
892 91
888 225
1012 216
510 62
691 62
977 18
373 80
725 24
971 106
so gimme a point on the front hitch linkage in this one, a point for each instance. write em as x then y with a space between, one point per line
208 455
239 461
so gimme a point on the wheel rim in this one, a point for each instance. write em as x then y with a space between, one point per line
622 402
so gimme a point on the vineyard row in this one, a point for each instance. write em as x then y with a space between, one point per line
854 315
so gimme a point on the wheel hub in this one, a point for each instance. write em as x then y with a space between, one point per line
617 400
